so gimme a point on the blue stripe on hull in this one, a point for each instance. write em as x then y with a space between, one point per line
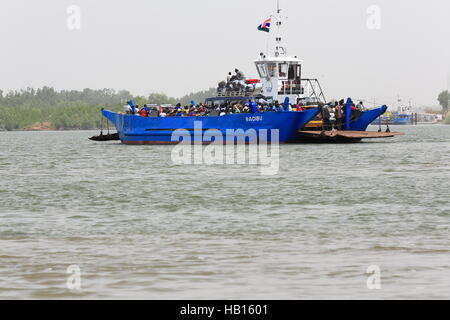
402 121
134 129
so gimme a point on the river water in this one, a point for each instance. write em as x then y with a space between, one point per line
138 226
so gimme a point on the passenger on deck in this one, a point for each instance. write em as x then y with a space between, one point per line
252 106
332 115
326 118
229 78
360 106
221 86
186 110
229 86
143 112
127 108
239 106
339 116
239 75
133 108
201 109
286 105
280 107
223 109
229 108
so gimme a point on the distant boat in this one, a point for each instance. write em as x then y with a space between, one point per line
405 116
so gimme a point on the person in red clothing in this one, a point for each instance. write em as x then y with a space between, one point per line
143 112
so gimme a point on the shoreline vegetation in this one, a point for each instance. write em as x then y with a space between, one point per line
447 120
47 109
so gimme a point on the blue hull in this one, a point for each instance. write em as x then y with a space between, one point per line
134 129
402 121
366 118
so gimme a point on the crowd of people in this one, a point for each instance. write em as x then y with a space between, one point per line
236 83
193 109
332 114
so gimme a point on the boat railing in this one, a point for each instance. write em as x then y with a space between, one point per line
311 89
290 87
241 93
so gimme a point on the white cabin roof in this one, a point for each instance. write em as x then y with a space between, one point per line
279 59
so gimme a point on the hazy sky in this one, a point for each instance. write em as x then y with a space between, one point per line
180 46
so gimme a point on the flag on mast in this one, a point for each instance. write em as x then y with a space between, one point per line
265 26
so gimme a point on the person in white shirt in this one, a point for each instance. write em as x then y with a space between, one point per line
127 109
360 106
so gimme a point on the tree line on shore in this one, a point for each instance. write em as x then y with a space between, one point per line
71 109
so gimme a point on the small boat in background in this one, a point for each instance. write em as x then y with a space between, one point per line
106 137
404 115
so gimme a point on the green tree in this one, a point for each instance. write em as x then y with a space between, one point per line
447 120
443 99
198 97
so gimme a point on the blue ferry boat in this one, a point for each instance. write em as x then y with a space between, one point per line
280 79
134 129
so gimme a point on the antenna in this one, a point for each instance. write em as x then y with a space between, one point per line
279 50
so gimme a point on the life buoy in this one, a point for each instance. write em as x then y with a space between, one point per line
252 81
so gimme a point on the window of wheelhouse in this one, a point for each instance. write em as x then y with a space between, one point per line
295 71
262 70
283 70
272 69
296 79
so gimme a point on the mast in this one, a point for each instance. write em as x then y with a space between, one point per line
280 50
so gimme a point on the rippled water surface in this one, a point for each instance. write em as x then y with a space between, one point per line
139 226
